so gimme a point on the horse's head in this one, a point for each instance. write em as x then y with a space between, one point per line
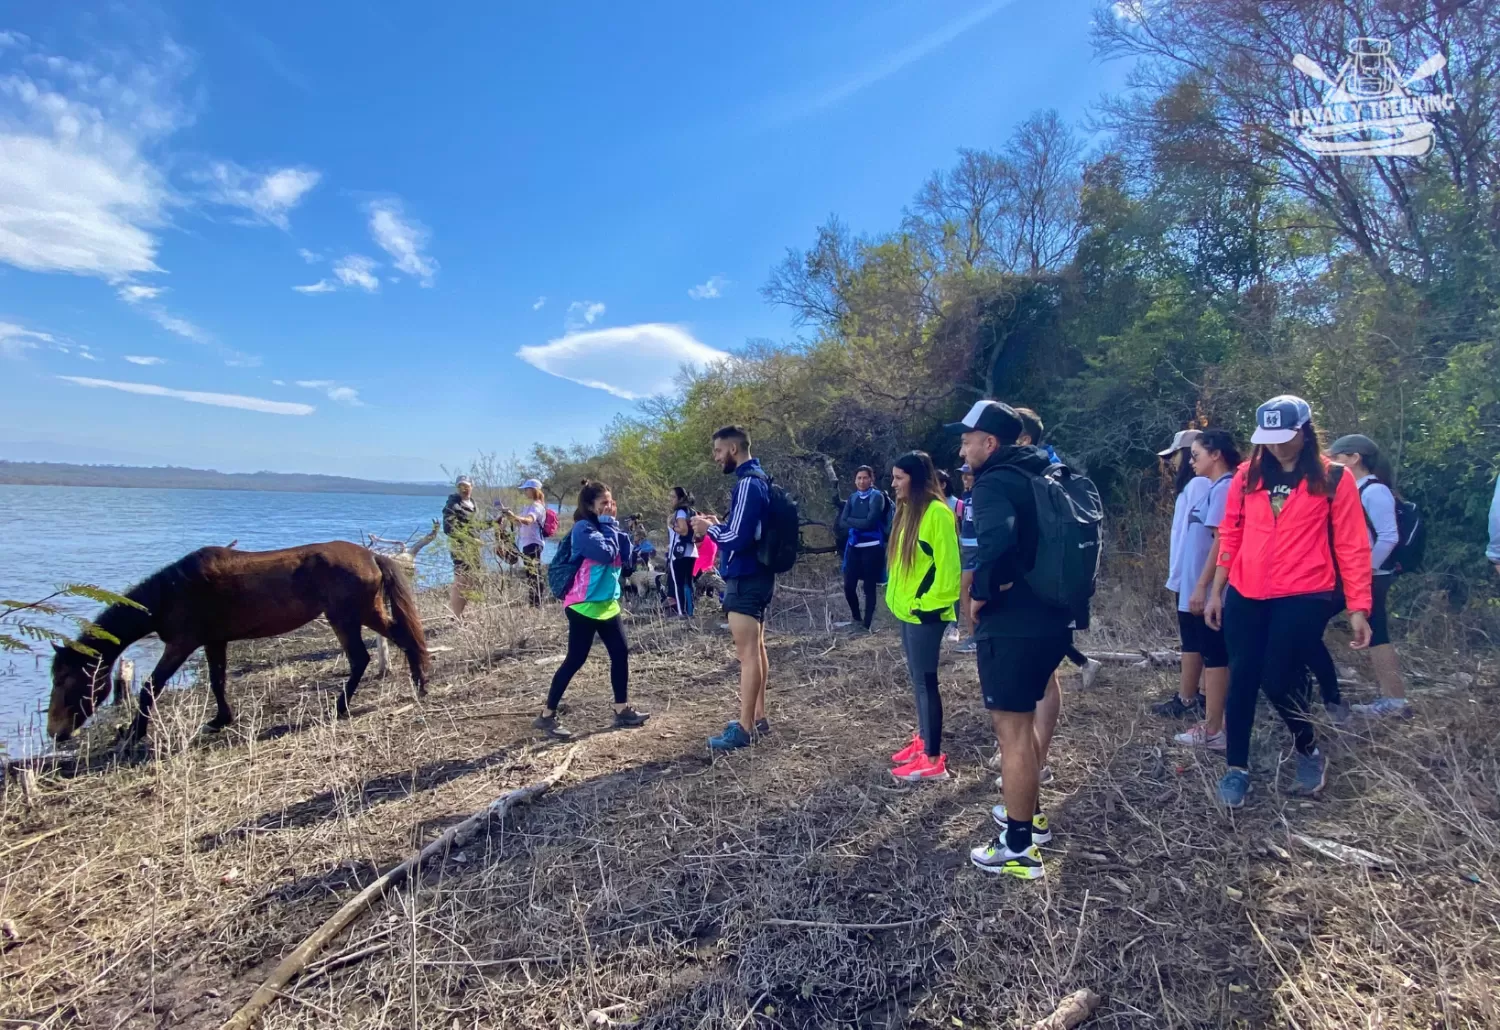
79 684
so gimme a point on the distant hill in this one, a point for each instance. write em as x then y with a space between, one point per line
40 473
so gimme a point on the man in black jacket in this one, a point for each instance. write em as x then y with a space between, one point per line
1020 639
861 526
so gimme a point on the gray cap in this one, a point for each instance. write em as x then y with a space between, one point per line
1354 443
464 481
1181 442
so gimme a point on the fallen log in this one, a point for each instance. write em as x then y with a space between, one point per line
1074 1009
292 966
1140 659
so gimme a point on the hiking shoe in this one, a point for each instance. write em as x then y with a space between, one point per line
630 718
1045 776
762 727
1198 736
1041 830
923 768
1233 788
969 646
1384 708
1175 707
1312 773
548 725
910 751
1339 713
995 857
952 636
733 738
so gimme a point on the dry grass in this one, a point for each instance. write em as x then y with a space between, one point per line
664 888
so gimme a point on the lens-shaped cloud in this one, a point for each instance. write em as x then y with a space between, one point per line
632 361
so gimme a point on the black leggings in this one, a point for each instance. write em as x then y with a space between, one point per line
1269 644
531 562
862 564
581 630
682 584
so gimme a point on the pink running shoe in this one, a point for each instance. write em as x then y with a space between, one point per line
909 752
1197 737
923 768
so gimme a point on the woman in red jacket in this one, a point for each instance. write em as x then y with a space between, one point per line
1293 528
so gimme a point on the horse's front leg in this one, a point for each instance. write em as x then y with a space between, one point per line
217 653
172 657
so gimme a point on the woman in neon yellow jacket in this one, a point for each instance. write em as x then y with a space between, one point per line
924 583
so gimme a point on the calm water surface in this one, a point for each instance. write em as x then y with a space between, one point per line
113 538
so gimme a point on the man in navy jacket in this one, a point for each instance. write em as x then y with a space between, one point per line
748 584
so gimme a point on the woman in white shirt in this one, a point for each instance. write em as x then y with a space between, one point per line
529 521
1373 475
1191 490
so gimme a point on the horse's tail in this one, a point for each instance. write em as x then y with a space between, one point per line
408 624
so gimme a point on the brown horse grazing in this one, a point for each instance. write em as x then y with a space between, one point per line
216 595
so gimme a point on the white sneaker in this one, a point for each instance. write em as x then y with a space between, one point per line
1044 777
1385 708
1199 737
1090 672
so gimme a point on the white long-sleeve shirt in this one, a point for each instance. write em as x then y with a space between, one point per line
1380 510
1197 488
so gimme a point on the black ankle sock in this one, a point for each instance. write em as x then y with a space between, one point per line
1017 835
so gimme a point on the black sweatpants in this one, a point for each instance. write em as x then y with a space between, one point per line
581 630
531 561
862 565
1270 642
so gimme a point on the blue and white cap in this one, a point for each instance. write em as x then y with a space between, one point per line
1280 419
532 484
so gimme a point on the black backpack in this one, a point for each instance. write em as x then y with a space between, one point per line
1069 516
1411 534
780 530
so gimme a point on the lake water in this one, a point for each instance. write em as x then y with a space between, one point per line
113 538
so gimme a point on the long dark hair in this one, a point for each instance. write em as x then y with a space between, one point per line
1185 473
588 495
1379 466
1310 463
923 489
684 499
1218 441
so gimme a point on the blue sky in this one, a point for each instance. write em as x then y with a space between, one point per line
485 205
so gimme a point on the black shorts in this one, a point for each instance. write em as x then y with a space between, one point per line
1198 638
1014 671
1380 631
750 595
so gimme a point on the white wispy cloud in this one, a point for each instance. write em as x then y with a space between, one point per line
86 354
221 400
356 270
1129 10
404 239
78 192
582 313
895 62
175 324
134 293
540 301
268 196
710 290
311 257
278 382
321 286
16 340
334 391
145 359
632 361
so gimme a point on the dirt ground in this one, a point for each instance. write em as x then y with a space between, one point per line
790 885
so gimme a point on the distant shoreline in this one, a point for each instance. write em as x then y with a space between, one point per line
37 473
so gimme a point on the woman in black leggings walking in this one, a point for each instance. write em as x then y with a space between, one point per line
600 549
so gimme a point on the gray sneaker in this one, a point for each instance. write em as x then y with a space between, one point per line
1339 714
1385 708
1312 773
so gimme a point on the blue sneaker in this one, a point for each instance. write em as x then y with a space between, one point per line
1312 773
1233 788
733 738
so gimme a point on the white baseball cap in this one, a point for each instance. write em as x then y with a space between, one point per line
1181 442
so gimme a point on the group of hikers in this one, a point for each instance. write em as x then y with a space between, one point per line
1264 553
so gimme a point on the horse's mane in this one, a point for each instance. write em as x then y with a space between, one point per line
130 623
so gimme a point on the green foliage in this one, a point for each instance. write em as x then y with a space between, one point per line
23 634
